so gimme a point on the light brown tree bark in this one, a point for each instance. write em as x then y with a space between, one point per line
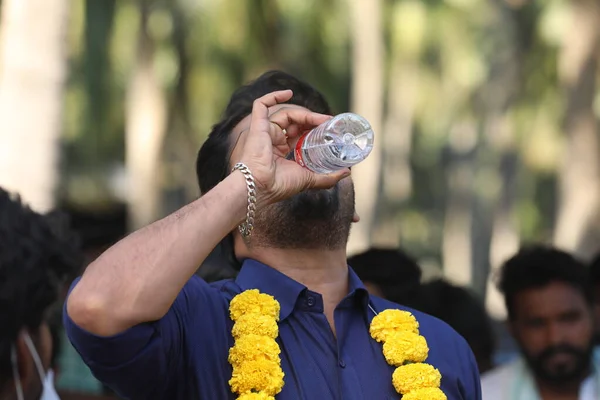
146 118
458 222
366 31
579 177
32 75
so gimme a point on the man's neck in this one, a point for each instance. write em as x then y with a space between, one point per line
321 271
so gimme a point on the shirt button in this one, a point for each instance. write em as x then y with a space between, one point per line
310 301
342 364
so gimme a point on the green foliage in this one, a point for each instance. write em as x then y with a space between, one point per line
478 61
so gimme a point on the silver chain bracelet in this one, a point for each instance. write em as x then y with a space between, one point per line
247 226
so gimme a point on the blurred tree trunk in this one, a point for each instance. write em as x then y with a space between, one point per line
33 66
145 130
504 240
407 30
367 100
579 180
180 149
460 167
502 88
396 141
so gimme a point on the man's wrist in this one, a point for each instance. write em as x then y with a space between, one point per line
247 226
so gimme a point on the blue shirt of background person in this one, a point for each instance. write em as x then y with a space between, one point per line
150 330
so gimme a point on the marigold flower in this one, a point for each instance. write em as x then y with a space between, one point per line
391 321
257 373
252 348
253 302
255 324
425 394
257 376
409 377
404 346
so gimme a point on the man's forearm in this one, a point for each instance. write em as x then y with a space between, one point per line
138 279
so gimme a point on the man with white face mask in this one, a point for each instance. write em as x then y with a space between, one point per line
36 259
47 378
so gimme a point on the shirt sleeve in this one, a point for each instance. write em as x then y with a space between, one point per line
144 361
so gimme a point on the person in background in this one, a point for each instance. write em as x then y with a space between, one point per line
595 277
97 229
37 255
464 312
548 295
388 273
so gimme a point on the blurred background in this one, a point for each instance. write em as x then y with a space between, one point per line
485 114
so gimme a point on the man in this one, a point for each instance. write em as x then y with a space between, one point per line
549 301
35 260
388 273
151 330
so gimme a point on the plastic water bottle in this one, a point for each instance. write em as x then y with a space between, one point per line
343 141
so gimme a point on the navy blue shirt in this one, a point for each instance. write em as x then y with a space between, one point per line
183 356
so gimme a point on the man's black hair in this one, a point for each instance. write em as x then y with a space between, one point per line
462 310
212 163
38 254
537 266
396 273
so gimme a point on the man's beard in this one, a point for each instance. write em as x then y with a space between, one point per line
559 374
314 219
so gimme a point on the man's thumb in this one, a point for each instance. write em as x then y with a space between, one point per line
325 181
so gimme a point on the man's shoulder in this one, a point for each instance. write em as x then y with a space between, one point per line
197 284
212 297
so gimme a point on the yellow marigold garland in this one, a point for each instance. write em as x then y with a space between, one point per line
256 396
404 348
389 322
253 302
255 324
425 393
257 373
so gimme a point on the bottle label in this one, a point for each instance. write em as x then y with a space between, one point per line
298 150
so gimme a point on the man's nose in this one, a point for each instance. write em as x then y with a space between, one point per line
554 334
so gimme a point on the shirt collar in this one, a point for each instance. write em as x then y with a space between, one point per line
255 275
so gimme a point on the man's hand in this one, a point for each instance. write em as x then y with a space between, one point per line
265 146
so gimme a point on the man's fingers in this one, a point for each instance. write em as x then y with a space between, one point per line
297 120
273 98
279 135
325 181
260 107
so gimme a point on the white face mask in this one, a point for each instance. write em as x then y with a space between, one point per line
48 391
